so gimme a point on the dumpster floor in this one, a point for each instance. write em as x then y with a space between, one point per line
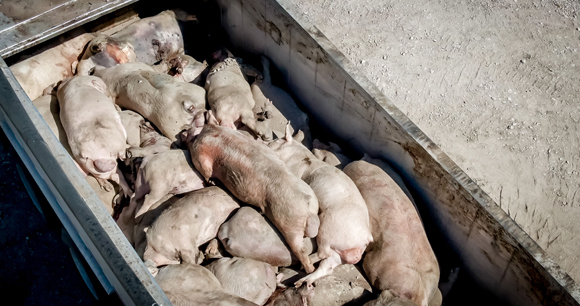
494 84
37 268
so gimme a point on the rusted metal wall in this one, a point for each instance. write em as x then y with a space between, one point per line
492 247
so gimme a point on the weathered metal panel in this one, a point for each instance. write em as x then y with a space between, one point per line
494 250
26 23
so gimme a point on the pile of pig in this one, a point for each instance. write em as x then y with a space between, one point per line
209 172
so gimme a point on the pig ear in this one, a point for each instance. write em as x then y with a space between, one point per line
288 136
100 86
299 136
211 119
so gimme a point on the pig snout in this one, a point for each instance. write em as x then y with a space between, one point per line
351 256
104 165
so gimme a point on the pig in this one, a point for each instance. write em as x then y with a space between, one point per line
49 67
279 105
148 40
400 259
132 122
249 235
344 230
331 154
393 174
168 103
169 172
256 176
250 279
229 96
140 224
190 284
93 127
346 286
191 221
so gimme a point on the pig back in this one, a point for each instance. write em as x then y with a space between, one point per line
400 258
249 235
247 278
250 170
190 284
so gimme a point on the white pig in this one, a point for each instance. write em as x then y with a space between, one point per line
93 127
168 103
148 40
229 96
344 220
250 279
249 235
400 260
190 284
330 154
131 122
169 172
346 286
191 221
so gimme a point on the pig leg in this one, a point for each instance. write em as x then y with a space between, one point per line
158 259
154 195
193 256
326 267
247 118
296 244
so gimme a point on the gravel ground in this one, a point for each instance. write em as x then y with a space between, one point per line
494 83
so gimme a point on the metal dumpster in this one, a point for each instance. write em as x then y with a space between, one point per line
492 249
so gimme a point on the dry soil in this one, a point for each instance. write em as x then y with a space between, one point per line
493 83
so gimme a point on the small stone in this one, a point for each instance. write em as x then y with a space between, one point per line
384 57
523 61
362 61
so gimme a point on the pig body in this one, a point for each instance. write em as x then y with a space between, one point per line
346 286
344 221
400 258
93 127
148 40
189 284
131 122
280 106
169 172
146 220
330 154
252 280
256 176
191 221
49 67
229 95
249 235
168 103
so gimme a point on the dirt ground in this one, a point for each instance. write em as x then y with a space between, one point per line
493 83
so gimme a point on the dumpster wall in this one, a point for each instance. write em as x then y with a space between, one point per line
494 250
